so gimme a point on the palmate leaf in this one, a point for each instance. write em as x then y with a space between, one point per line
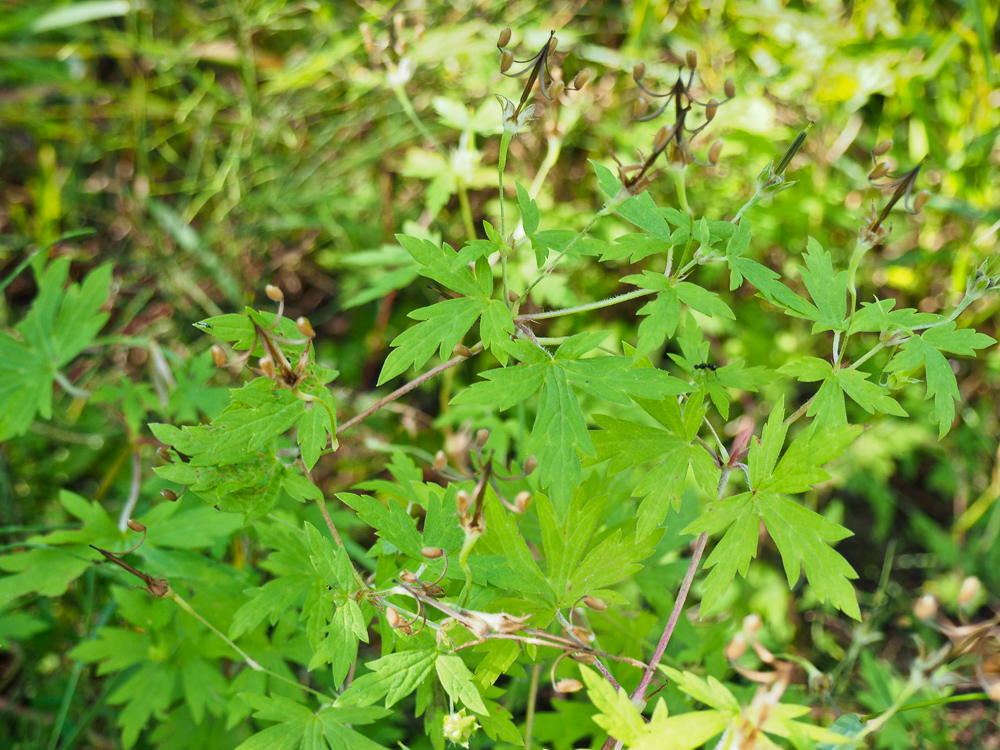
829 406
392 678
827 289
763 278
299 727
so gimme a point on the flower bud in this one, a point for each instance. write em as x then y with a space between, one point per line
530 464
730 88
925 607
968 591
218 356
432 553
164 455
691 58
506 60
392 617
737 646
881 170
136 526
169 495
462 501
639 107
522 501
305 328
882 149
553 43
715 152
582 79
513 296
569 685
751 624
710 109
556 89
581 634
266 365
274 293
504 39
440 460
584 657
638 71
662 137
481 437
461 351
921 200
598 605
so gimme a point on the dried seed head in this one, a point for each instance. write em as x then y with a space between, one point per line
305 327
136 526
506 60
481 437
921 200
715 152
581 634
553 43
737 647
556 89
274 293
392 617
522 501
710 109
882 149
530 464
638 71
432 553
504 39
569 685
968 591
582 79
462 501
169 495
691 58
925 607
440 460
596 604
730 88
583 657
881 170
218 356
266 365
461 350
751 624
407 577
662 137
164 455
639 107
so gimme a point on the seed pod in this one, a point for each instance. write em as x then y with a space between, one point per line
710 109
530 464
553 43
432 553
584 657
581 634
881 170
274 293
440 460
569 685
751 624
305 327
715 152
506 60
926 607
462 351
407 577
169 495
522 501
737 647
392 617
400 47
164 455
504 39
218 356
266 365
883 148
968 591
662 137
462 501
596 604
481 437
691 58
921 200
136 526
729 88
556 89
369 40
639 107
418 32
582 79
638 71
512 295
994 692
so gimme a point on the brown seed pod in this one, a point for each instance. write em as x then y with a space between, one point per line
638 71
530 464
440 460
218 356
582 79
568 685
921 200
461 351
305 327
662 137
710 109
596 604
164 455
729 88
970 587
639 107
752 624
504 39
737 647
584 657
481 437
408 577
691 58
556 89
522 501
881 170
392 617
266 365
169 495
553 43
462 501
883 148
715 152
506 60
925 607
136 526
274 293
432 553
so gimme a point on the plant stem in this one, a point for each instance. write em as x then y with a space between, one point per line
587 307
411 113
133 495
529 718
463 202
67 386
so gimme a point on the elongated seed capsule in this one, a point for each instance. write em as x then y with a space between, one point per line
556 89
881 170
596 604
530 464
583 657
506 60
691 59
662 137
462 501
305 327
392 617
715 152
432 553
737 647
553 43
512 295
639 71
883 148
569 685
730 88
440 460
582 79
266 365
710 109
921 200
408 577
274 293
639 107
522 501
504 39
169 495
482 436
136 525
218 356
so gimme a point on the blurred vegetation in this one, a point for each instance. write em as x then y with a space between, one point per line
209 148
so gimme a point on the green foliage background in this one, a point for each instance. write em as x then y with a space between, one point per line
205 149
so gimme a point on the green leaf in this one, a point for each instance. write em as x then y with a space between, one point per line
660 318
445 323
640 209
391 522
879 316
566 541
618 716
442 265
529 210
517 557
458 683
317 431
827 289
558 433
763 278
392 677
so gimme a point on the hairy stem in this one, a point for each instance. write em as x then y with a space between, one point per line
529 718
617 299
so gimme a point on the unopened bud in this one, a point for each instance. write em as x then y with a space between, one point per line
715 152
164 455
691 58
662 137
968 591
169 495
584 657
522 501
432 553
462 501
305 328
553 43
218 356
504 39
512 295
266 365
751 624
925 607
881 170
710 109
369 40
639 71
440 460
882 149
582 79
136 526
482 436
639 107
581 634
506 60
596 604
530 464
407 577
569 685
729 88
921 200
274 293
392 617
556 89
737 647
462 351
